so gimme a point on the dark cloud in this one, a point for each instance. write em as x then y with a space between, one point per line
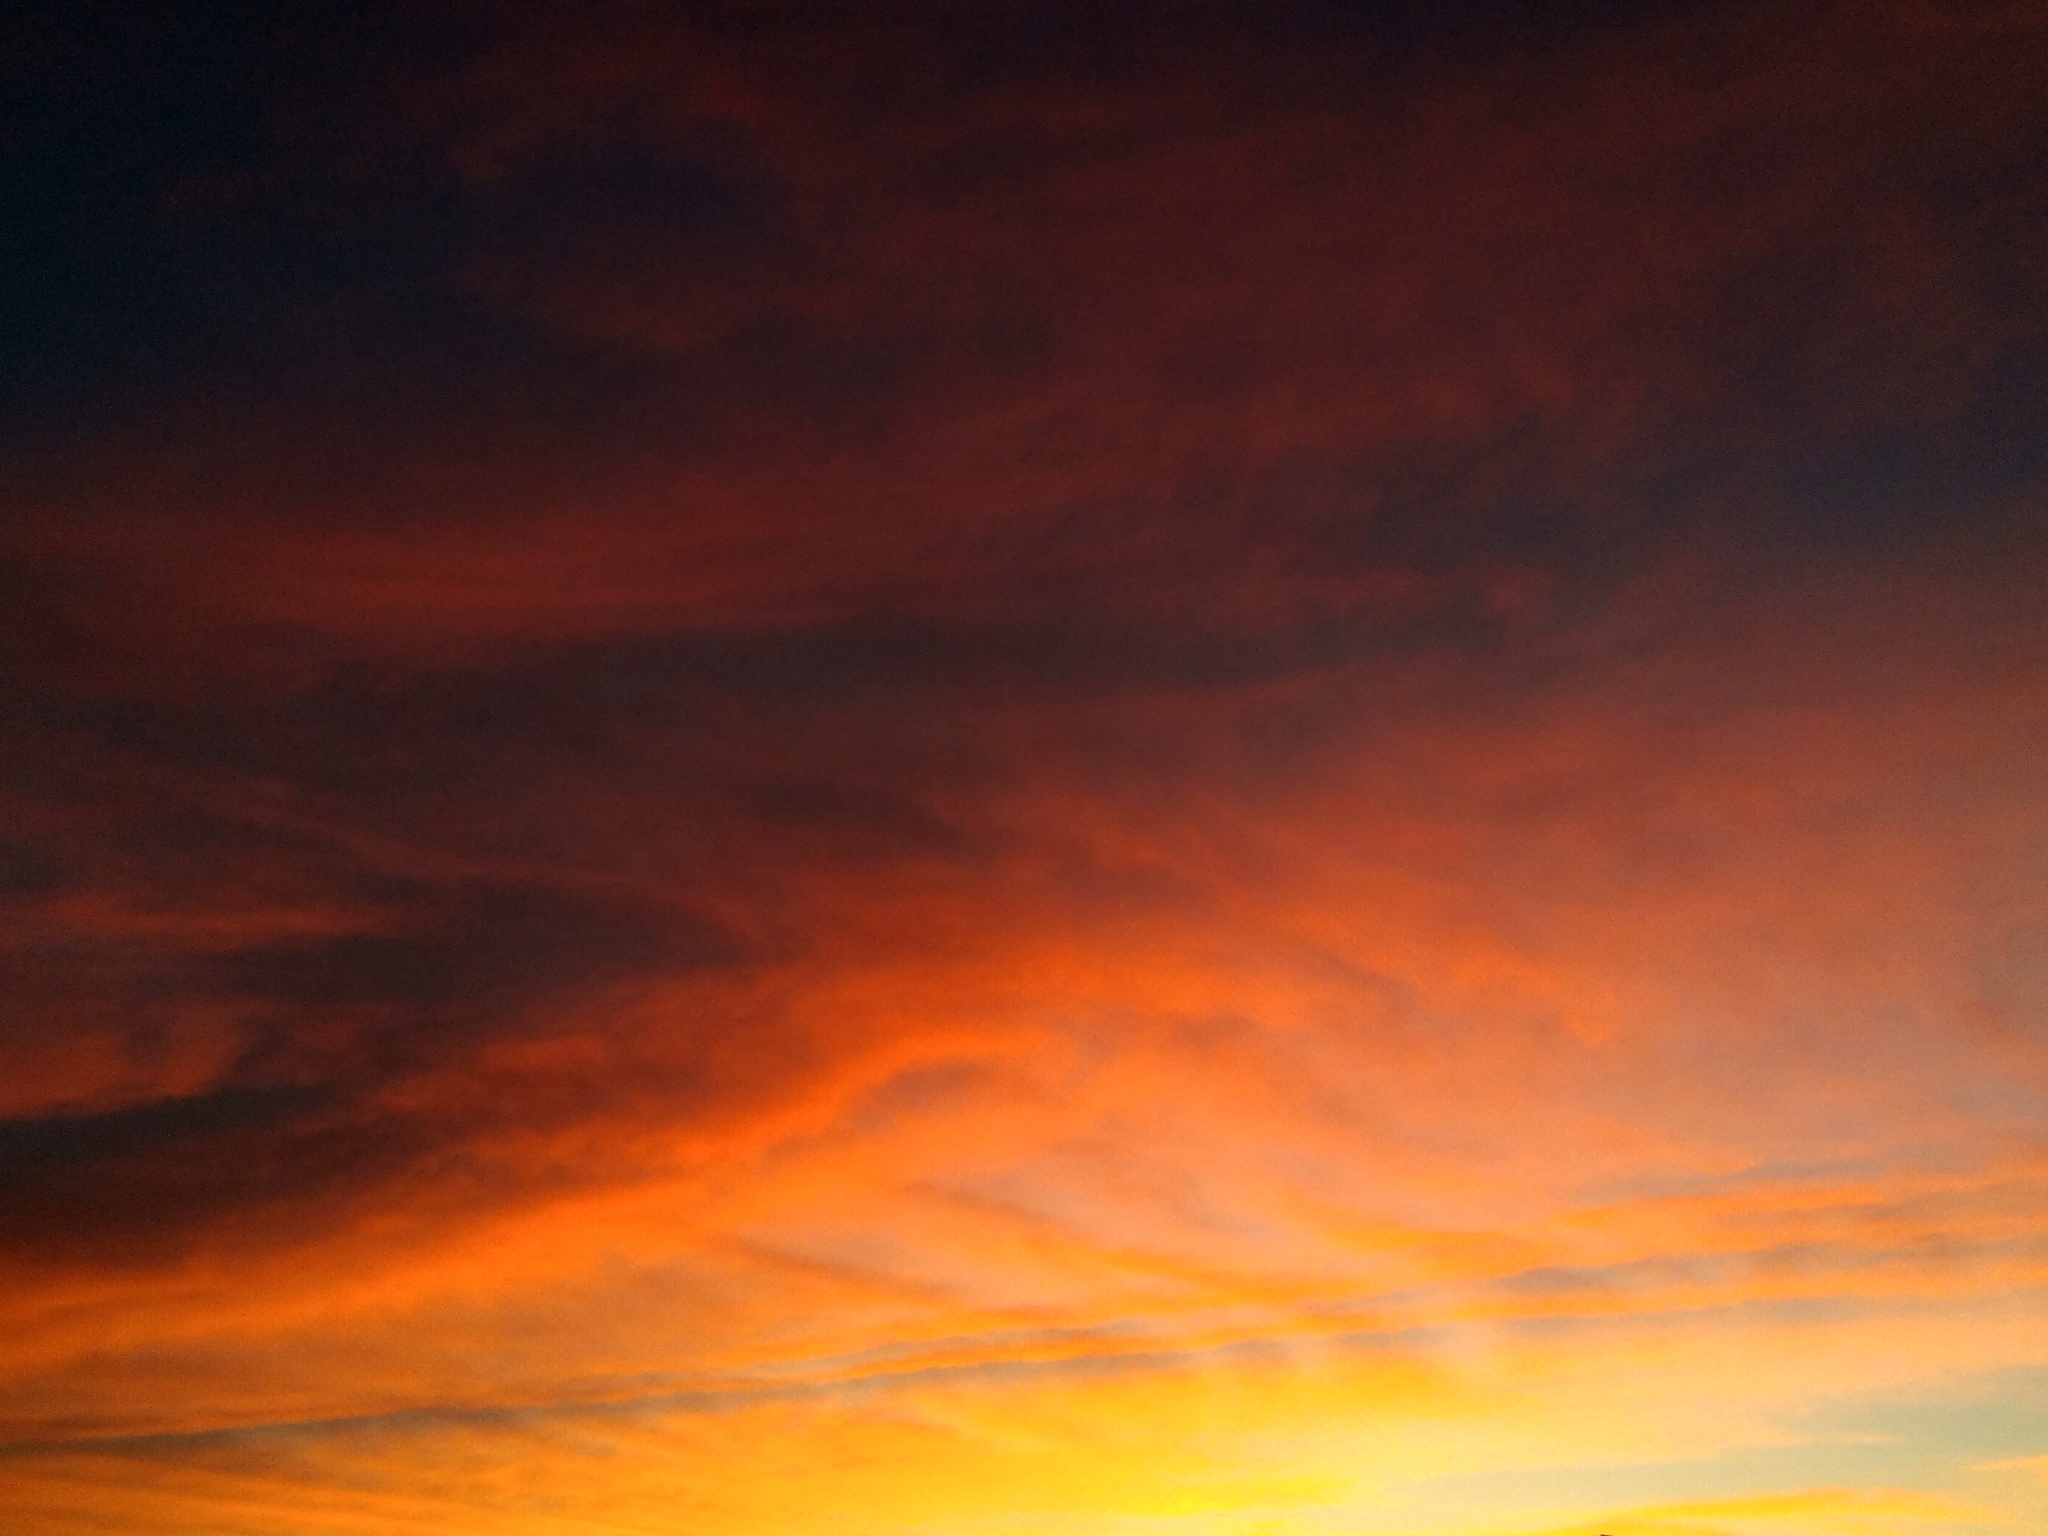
148 1182
30 1147
480 950
333 987
26 870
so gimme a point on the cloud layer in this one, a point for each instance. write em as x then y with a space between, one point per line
983 769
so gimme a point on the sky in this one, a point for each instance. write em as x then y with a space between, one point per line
1024 769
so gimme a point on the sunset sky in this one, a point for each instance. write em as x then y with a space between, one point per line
1024 768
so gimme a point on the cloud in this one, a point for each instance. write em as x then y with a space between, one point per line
999 764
